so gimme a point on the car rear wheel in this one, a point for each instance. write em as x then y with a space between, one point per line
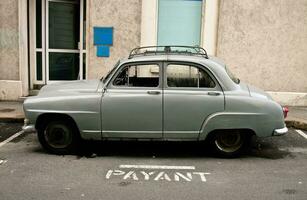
59 137
229 143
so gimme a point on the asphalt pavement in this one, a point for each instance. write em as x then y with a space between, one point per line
8 129
275 168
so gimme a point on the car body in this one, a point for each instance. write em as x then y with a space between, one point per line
164 105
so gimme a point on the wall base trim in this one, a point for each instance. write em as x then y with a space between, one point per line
290 98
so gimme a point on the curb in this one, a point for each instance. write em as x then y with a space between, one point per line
11 120
296 124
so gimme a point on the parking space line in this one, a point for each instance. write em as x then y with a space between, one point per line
11 138
156 167
302 133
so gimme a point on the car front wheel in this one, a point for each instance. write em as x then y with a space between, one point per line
229 143
59 137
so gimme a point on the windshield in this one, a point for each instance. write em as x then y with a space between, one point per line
232 76
110 72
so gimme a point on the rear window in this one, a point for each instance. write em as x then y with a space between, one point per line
232 76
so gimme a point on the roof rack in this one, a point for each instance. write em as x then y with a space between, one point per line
168 50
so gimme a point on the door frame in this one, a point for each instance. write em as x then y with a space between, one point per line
45 42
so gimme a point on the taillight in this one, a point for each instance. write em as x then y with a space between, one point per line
285 111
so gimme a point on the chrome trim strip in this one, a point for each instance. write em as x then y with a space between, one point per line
61 111
106 131
224 113
174 132
91 131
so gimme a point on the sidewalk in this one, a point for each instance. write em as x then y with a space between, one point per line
297 118
11 111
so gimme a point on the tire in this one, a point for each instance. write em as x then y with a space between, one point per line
229 143
59 137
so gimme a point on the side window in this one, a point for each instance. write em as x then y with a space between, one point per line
145 75
188 76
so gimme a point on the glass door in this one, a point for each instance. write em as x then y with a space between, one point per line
63 46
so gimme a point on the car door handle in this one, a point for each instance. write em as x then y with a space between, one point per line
213 93
153 92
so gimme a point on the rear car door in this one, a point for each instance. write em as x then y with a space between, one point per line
131 106
191 94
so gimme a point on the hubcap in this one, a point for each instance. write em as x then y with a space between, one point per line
229 142
58 136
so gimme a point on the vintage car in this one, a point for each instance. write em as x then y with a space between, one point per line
164 93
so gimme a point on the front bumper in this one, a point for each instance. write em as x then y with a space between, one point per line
280 131
28 127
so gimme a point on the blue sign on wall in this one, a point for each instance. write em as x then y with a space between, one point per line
103 35
103 39
103 51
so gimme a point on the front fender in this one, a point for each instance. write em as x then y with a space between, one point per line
84 109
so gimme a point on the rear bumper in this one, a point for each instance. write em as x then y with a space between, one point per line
281 131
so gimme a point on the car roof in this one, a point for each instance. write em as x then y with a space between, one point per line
182 58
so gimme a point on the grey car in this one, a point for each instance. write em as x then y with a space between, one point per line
158 93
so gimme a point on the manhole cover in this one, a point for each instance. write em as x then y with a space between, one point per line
289 191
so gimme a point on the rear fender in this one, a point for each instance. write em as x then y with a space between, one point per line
259 123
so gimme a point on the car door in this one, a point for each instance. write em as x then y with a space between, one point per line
131 105
191 94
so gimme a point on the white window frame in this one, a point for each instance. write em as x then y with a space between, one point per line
45 42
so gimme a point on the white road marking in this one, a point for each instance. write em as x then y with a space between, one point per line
11 138
302 133
157 175
156 167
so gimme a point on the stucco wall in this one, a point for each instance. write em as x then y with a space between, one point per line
125 17
265 42
9 50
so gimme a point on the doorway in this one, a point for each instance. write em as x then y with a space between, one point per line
59 41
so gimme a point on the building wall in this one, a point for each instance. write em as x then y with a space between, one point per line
9 46
125 18
264 42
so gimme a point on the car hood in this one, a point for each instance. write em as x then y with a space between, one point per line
83 86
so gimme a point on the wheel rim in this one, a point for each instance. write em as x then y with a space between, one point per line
229 142
58 136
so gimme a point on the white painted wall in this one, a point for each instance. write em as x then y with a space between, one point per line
149 22
210 26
